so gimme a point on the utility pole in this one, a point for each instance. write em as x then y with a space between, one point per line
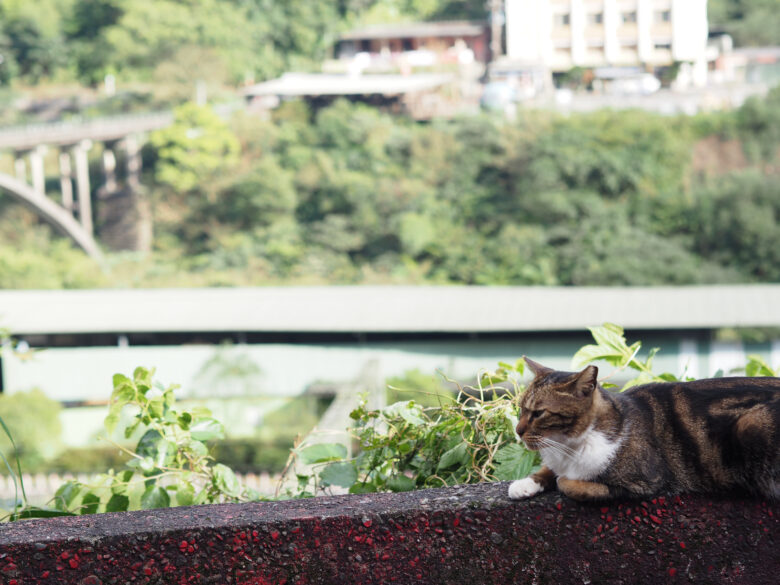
496 28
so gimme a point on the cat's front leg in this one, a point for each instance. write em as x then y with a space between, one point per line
544 479
583 491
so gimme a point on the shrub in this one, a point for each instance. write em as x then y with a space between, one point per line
33 420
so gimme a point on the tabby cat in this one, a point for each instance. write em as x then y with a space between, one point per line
715 435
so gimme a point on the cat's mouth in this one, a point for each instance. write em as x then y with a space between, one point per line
531 444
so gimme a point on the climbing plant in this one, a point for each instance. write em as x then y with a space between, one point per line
468 438
170 464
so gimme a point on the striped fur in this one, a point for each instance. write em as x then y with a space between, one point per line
716 435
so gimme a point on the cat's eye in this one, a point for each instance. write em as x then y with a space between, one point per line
536 413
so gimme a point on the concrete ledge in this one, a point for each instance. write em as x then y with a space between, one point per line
468 534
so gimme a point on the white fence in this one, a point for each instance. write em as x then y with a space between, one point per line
40 487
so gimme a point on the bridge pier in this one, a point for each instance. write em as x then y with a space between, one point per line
20 166
124 215
66 180
80 151
36 169
109 169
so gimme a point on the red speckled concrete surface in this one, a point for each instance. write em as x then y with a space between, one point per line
469 534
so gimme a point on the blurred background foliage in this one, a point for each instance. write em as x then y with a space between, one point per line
348 194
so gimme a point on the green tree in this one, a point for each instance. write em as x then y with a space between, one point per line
737 223
85 29
758 126
194 149
751 22
34 422
35 38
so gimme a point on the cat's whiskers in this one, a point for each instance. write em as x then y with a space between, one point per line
557 447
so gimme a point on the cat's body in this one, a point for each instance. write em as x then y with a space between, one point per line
715 435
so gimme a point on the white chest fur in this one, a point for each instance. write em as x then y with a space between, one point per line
584 457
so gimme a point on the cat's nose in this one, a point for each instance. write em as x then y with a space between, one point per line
522 426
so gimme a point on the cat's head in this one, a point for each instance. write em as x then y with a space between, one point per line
556 405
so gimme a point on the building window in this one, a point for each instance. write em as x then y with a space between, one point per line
595 18
562 19
628 17
663 16
663 46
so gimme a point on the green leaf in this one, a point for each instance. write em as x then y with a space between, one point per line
65 495
757 366
341 473
34 512
130 429
18 464
401 483
146 464
90 503
206 429
184 420
591 353
185 494
148 443
143 378
363 488
513 462
118 503
610 335
156 407
650 356
405 447
120 380
407 410
455 456
226 480
112 418
155 497
202 497
164 449
610 346
197 448
322 452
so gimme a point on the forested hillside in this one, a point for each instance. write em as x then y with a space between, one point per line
351 195
347 194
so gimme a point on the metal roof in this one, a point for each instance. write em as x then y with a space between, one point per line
451 28
373 309
315 84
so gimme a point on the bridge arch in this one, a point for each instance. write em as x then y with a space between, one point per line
55 215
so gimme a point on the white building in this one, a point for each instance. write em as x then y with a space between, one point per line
558 35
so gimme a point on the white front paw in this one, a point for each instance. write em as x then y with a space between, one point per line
524 488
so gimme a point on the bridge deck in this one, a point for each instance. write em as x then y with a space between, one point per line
71 132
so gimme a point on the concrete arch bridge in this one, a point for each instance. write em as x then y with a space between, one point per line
123 214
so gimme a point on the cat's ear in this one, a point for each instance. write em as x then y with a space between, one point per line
586 381
537 369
